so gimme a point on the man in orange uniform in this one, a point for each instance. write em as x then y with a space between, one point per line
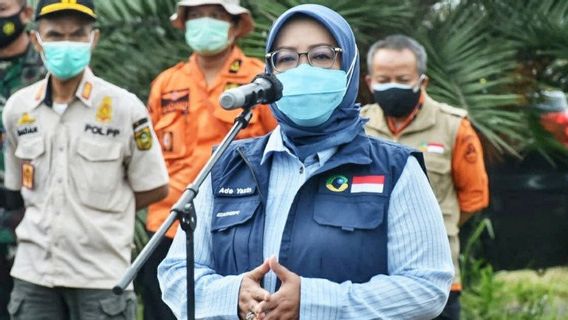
452 151
185 110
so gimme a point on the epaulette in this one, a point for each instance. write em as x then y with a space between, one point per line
458 112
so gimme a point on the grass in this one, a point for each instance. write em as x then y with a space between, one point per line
524 294
504 295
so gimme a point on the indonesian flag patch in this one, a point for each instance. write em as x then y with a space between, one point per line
372 184
432 147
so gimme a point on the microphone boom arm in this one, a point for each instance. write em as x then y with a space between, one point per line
184 210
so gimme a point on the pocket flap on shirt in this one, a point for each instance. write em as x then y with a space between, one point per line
437 165
228 213
350 213
30 148
98 150
166 120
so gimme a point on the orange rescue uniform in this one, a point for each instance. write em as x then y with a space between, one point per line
189 121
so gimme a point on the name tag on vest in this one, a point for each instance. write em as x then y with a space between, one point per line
236 191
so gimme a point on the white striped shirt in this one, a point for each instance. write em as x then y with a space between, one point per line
419 262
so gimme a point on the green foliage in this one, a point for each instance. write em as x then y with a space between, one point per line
137 42
537 30
471 70
488 295
491 69
380 16
491 298
140 235
471 266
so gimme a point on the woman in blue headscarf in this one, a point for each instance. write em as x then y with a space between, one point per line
315 220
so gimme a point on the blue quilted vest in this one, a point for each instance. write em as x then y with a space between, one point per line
337 225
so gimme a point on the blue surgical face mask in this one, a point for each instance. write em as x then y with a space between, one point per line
207 36
311 94
65 59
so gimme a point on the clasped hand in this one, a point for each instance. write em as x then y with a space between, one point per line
284 304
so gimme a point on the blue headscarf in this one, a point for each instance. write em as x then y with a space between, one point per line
345 123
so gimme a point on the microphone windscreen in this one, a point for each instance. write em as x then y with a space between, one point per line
276 92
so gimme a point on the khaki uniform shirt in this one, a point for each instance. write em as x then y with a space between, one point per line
77 173
453 157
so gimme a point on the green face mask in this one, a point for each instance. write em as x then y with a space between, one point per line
66 59
207 36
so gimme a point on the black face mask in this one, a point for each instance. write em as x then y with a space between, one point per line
397 102
10 29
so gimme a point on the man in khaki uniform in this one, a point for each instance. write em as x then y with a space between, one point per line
452 151
84 156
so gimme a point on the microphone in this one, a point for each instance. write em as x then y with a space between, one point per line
265 88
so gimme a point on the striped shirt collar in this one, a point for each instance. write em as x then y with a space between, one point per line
276 144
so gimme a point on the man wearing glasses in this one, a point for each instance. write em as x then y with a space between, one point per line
185 110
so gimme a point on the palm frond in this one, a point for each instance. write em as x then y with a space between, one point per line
137 42
370 19
471 69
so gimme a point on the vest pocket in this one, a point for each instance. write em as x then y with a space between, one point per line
344 239
350 213
439 174
437 165
228 213
231 229
172 130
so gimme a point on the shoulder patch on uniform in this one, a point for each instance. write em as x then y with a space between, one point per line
470 154
235 66
143 138
104 111
138 123
458 112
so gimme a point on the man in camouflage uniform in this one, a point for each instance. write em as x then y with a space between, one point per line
20 66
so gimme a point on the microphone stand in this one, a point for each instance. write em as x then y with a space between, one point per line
184 210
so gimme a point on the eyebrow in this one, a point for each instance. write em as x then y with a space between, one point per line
77 32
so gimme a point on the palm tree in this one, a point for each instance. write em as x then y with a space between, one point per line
473 62
474 69
137 42
537 29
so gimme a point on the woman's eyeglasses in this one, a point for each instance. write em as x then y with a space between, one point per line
286 59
